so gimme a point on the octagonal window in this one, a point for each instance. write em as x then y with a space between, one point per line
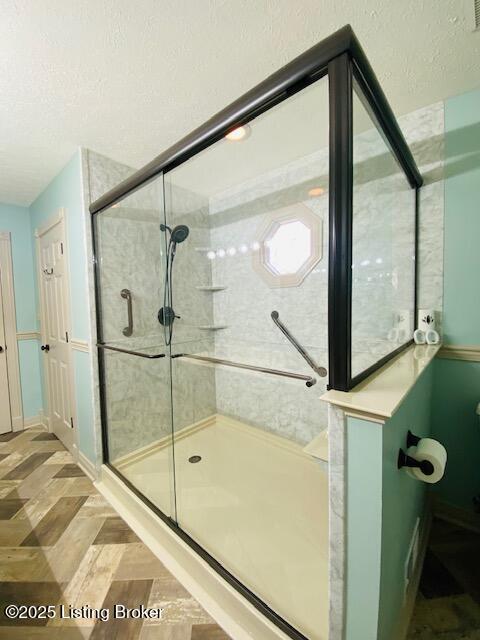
290 242
288 247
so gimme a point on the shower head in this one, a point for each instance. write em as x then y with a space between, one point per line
177 234
180 233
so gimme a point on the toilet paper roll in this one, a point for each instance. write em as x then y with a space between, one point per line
434 452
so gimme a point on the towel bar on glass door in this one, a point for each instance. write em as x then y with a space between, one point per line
309 381
131 353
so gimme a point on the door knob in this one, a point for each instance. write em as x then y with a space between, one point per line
45 347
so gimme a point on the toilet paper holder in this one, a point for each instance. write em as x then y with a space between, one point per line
412 439
404 460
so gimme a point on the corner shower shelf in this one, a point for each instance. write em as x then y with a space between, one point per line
212 288
212 327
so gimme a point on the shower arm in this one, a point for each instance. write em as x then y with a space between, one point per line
321 371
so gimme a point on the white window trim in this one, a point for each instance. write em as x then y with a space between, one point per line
291 213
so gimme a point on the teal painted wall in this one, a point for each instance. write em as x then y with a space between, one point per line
457 383
16 220
403 500
462 220
65 191
456 425
82 373
383 505
30 377
364 518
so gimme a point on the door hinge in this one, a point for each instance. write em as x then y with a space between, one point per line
66 336
71 422
61 247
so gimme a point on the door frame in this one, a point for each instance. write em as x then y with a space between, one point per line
50 223
10 326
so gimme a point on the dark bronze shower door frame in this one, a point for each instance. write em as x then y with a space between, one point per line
343 59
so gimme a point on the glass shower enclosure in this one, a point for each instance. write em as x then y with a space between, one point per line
266 257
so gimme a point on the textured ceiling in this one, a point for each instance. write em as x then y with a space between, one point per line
129 77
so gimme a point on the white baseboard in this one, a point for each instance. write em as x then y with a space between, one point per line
469 353
33 421
87 467
45 420
17 423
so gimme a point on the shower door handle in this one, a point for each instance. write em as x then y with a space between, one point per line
149 356
319 370
127 295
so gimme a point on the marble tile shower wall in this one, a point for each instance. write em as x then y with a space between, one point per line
383 264
283 406
424 130
383 236
131 250
138 402
128 251
193 386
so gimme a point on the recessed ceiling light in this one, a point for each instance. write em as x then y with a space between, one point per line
316 191
240 133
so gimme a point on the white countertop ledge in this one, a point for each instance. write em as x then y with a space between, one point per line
380 394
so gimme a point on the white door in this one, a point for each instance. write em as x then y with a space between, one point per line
55 313
5 413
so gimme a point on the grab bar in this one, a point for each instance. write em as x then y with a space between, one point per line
127 295
100 345
321 371
309 381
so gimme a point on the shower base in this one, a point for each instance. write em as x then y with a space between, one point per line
256 502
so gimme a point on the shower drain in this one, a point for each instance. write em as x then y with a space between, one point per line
194 459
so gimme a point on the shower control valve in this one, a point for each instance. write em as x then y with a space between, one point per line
166 316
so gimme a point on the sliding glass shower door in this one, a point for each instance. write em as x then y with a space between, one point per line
134 359
248 354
